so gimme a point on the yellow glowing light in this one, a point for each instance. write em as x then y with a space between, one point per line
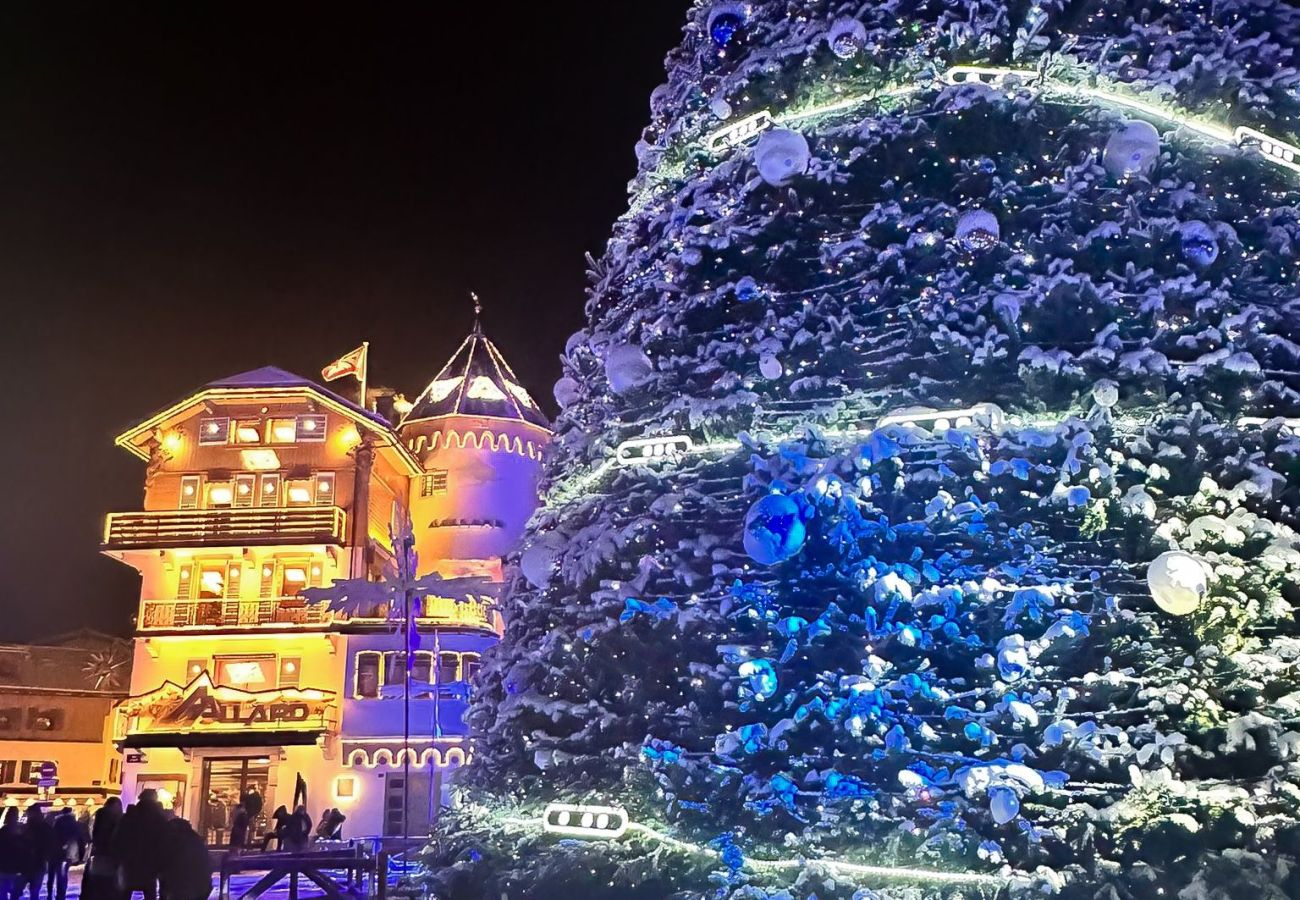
345 788
285 432
220 494
290 666
309 425
261 460
172 441
248 434
349 436
299 494
324 485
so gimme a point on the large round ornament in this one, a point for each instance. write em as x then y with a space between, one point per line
1004 804
1199 243
781 155
774 530
537 562
762 677
747 289
627 367
769 359
1133 151
726 24
847 37
1105 393
567 391
1178 582
978 230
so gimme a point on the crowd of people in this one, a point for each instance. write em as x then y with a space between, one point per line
144 849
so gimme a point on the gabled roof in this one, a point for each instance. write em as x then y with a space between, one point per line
273 383
477 382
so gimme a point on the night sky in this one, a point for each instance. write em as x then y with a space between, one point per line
188 191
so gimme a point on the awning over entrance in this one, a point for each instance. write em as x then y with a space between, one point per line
189 739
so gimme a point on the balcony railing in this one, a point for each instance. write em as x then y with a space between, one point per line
165 614
224 527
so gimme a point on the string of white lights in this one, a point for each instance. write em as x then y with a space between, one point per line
1273 149
611 823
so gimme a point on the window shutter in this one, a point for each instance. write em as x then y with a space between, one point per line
245 490
190 485
269 495
188 577
325 489
267 589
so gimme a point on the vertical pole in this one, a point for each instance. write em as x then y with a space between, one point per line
406 733
365 371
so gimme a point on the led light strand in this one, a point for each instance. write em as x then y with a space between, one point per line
987 416
618 824
1273 149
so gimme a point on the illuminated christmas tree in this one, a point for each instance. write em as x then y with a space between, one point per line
923 491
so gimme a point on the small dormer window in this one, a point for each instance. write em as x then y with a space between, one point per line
249 431
311 429
214 431
282 431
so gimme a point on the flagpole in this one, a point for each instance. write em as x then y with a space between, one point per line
365 371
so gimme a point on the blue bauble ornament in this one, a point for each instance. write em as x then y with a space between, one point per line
762 677
726 24
1133 151
1200 244
747 289
1004 804
774 530
978 230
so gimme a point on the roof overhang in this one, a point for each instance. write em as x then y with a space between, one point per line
135 439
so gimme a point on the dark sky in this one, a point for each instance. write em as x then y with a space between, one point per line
192 190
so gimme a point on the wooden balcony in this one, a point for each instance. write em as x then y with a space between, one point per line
224 527
165 615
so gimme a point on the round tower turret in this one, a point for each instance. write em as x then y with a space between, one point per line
479 436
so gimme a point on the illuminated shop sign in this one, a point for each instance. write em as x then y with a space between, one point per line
204 706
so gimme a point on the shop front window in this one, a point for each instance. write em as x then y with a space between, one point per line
227 783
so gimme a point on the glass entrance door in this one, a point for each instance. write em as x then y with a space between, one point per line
225 783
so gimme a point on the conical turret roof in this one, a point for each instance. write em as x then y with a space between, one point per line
477 381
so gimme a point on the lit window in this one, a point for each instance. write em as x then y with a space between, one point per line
295 579
249 673
245 490
283 431
448 668
269 495
324 488
311 429
214 431
212 582
367 684
434 482
44 719
300 493
345 787
194 668
483 388
290 671
220 495
190 491
249 432
469 666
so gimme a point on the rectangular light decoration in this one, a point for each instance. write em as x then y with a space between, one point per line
600 822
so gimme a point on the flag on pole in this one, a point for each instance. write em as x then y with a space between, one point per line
353 363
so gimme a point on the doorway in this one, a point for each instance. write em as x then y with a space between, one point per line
225 783
422 811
